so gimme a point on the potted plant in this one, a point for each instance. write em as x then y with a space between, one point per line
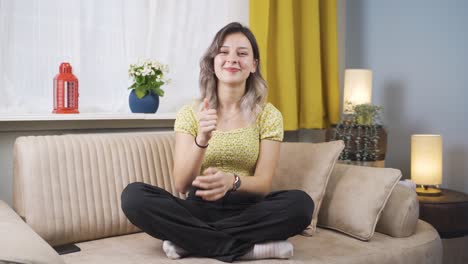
367 114
148 77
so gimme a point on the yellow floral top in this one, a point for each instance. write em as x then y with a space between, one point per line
237 150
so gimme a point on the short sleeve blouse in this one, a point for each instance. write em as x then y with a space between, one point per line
236 150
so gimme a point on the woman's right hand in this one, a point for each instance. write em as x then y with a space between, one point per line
207 121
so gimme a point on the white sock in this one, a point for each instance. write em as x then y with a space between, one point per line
273 249
172 250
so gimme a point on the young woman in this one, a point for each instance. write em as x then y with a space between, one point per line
227 149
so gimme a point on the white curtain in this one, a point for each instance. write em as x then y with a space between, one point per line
100 39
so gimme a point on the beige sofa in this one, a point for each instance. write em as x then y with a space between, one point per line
67 190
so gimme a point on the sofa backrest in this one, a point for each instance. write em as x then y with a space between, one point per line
67 187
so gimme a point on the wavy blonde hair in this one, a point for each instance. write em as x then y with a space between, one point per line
256 88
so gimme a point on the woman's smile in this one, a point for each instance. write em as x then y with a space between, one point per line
231 69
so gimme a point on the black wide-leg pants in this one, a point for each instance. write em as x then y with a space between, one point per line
224 229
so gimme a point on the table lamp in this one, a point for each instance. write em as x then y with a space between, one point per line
426 163
357 88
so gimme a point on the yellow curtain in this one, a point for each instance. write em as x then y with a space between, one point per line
299 59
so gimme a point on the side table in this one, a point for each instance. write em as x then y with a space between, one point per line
448 214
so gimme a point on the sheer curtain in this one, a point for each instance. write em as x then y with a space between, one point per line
100 39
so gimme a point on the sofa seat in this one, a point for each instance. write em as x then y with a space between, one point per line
326 246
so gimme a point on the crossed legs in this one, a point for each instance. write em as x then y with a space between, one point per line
216 229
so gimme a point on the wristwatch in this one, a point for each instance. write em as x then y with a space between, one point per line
237 183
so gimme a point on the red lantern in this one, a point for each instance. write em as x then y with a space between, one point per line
65 91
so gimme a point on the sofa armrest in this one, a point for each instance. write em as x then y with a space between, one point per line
401 213
19 243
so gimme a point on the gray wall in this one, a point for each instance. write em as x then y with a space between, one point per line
418 51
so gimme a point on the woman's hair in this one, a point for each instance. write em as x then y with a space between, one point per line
256 89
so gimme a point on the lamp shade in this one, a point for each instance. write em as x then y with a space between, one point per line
357 88
426 159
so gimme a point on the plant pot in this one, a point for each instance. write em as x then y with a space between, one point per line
365 120
148 104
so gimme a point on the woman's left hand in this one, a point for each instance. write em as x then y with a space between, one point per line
215 184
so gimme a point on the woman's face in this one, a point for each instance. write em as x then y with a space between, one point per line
234 61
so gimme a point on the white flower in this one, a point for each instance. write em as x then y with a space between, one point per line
151 70
155 65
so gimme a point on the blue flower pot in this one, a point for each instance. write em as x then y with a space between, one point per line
148 104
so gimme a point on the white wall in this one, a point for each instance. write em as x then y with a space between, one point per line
418 51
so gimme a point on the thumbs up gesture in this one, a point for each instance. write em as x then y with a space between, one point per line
207 121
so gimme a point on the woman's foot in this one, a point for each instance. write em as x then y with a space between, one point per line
173 251
273 249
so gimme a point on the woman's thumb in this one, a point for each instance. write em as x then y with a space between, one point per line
210 170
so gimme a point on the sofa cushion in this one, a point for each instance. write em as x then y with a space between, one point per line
326 246
355 198
401 213
307 166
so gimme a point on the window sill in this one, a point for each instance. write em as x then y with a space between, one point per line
86 116
28 122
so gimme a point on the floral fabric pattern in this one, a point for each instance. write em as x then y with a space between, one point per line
237 150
